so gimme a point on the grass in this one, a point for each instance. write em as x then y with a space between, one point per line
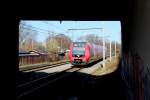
109 67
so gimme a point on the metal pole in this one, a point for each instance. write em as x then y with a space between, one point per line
45 45
32 44
72 36
52 41
115 48
110 50
103 46
61 45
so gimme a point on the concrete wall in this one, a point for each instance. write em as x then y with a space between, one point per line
136 51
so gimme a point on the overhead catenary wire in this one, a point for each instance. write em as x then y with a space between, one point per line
35 29
38 29
85 29
25 26
31 27
75 29
54 26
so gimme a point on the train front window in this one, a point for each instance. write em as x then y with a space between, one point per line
79 44
78 51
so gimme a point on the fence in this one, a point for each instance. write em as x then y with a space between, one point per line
32 59
41 58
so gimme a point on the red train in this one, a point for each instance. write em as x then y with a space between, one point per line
82 53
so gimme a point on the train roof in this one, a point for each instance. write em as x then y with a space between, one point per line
79 42
84 43
29 54
32 53
23 51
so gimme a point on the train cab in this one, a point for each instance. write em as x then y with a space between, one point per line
78 53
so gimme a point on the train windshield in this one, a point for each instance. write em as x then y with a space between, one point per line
78 51
79 44
78 48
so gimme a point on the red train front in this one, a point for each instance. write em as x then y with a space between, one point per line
82 53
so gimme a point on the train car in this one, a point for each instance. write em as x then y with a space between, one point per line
83 53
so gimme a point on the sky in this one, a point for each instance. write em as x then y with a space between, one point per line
111 29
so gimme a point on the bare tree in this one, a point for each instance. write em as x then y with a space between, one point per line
51 44
27 36
39 46
56 43
92 38
118 47
63 41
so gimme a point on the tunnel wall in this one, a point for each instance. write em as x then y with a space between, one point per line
136 50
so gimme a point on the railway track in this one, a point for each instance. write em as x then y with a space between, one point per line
29 87
42 67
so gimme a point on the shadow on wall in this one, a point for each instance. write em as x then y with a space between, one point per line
82 86
136 77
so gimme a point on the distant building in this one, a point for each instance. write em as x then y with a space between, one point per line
41 52
31 57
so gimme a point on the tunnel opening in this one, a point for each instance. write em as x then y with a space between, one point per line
134 65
